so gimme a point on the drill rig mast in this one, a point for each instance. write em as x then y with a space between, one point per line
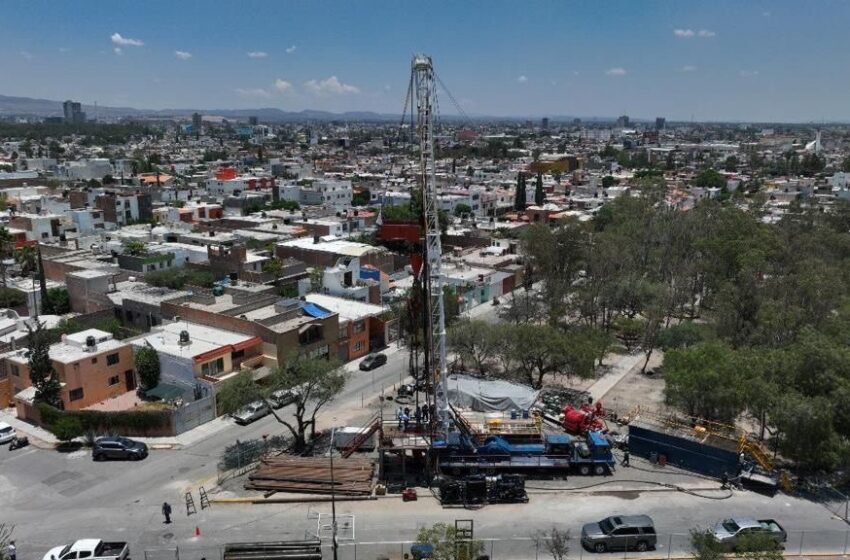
423 95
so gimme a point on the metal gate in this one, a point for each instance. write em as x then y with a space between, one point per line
193 414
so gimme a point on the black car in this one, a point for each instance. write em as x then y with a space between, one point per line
373 361
118 448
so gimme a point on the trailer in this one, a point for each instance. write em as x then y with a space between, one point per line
557 452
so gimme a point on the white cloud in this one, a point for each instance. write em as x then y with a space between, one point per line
27 55
258 54
183 55
282 85
705 33
118 51
748 73
689 68
684 33
331 85
125 41
766 14
290 50
616 71
253 92
63 50
522 79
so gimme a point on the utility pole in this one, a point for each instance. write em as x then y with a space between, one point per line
333 496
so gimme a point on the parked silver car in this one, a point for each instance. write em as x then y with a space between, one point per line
620 532
251 412
283 397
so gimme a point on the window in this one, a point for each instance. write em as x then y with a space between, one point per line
238 354
114 380
358 346
359 327
112 359
75 394
16 371
94 360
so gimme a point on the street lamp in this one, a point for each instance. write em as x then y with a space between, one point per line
333 495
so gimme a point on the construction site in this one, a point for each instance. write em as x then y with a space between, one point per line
471 440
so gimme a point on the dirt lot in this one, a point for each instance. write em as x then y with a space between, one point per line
637 388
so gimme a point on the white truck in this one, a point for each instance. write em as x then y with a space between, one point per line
90 549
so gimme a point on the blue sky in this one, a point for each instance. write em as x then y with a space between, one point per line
737 60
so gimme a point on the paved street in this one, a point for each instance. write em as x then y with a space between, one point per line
54 497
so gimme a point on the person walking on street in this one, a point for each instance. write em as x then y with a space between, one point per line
12 551
626 462
400 416
166 511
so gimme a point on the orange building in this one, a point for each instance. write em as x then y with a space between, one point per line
359 326
91 366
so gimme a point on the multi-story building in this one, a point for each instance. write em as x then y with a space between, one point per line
91 366
73 112
286 327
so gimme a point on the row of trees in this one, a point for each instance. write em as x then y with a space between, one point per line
525 351
755 314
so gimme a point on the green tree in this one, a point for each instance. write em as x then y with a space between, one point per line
446 544
710 178
704 381
520 194
7 244
705 546
273 266
539 195
135 247
556 542
608 181
147 365
42 374
27 259
315 382
758 546
683 335
462 210
474 342
59 300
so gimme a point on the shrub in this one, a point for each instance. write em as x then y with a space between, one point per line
67 428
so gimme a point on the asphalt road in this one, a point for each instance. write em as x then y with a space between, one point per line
52 498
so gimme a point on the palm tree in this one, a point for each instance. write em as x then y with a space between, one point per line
27 258
7 244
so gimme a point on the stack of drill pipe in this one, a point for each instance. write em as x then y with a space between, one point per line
312 475
280 550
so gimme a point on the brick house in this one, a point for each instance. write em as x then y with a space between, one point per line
91 366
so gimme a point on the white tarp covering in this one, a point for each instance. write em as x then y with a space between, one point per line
483 395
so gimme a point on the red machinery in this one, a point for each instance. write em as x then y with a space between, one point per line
587 418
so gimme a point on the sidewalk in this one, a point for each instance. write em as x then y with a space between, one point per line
38 437
621 368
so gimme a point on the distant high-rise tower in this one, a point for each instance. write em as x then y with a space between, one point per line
73 112
544 124
197 122
660 123
253 121
623 121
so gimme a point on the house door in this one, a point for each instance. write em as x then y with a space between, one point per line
130 380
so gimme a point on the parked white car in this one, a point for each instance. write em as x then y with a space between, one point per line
7 433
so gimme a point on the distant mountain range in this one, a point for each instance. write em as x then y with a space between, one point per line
28 106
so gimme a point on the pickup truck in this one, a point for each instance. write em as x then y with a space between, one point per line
90 549
730 532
